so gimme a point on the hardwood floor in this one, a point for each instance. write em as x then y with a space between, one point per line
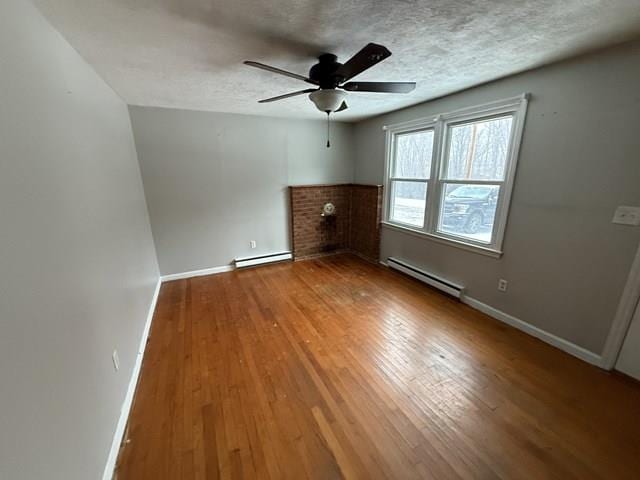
337 368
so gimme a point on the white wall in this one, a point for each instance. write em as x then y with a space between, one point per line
216 181
77 261
565 262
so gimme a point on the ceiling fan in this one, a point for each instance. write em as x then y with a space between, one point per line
331 78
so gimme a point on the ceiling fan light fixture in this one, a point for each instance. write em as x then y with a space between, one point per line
327 100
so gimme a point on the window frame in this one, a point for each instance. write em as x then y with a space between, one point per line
426 127
516 108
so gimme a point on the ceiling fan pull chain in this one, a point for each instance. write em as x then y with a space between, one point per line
328 129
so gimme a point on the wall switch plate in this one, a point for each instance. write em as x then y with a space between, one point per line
626 215
116 360
502 285
253 243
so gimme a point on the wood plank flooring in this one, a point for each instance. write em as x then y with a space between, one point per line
336 368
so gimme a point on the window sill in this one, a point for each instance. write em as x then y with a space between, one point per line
446 241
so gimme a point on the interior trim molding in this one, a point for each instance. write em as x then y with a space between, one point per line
128 399
197 273
444 241
564 345
624 314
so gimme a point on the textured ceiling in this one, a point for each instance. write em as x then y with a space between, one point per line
188 53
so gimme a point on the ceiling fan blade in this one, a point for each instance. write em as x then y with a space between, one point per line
279 71
344 106
380 87
287 95
364 59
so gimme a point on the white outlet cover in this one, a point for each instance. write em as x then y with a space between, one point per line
502 285
253 243
626 215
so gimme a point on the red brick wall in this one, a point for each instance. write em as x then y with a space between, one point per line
366 214
314 234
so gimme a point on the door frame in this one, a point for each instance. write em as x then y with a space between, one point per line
624 314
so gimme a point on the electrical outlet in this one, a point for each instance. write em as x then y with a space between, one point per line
502 285
625 215
116 360
253 243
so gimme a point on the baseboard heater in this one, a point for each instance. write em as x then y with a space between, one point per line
259 260
426 277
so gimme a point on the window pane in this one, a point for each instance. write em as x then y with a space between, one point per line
478 151
408 200
469 211
413 154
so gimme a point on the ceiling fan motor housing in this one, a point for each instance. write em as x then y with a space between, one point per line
324 72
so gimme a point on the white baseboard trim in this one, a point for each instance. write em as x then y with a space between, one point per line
197 273
128 399
551 339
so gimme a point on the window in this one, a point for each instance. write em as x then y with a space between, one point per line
450 178
409 182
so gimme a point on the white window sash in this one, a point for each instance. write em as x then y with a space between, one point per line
403 179
390 167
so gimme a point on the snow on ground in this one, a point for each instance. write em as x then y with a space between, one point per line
411 212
